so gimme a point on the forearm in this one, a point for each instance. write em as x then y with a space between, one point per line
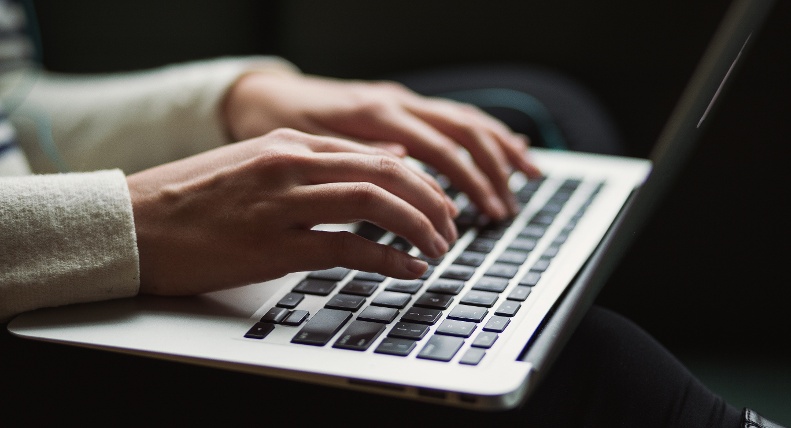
132 121
65 239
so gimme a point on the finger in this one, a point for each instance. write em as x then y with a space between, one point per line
319 204
425 143
341 143
396 177
458 115
452 208
486 150
394 148
516 145
517 150
324 250
326 143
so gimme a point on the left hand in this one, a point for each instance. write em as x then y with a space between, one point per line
433 130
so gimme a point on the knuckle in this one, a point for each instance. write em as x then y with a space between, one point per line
280 164
287 134
392 86
390 167
364 195
374 109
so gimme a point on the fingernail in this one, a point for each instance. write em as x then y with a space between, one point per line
416 266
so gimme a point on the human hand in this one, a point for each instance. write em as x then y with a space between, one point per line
244 213
433 130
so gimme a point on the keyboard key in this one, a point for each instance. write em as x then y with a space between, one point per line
523 244
519 293
485 339
347 302
541 264
530 279
551 251
514 257
422 315
370 231
405 285
472 357
456 328
369 276
468 313
508 308
502 270
480 298
318 287
431 261
408 330
560 239
360 288
482 245
275 315
379 314
290 300
401 244
491 283
543 219
458 272
396 346
470 258
333 274
428 272
321 327
441 348
493 231
391 299
496 324
359 335
260 330
434 300
296 317
446 286
535 231
553 206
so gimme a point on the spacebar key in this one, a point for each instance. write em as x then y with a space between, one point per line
321 327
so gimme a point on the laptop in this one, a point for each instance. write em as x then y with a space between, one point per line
480 329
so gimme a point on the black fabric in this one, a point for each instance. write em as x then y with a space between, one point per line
611 374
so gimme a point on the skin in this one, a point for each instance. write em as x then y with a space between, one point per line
317 151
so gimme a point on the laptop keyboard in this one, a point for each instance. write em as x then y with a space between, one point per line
469 295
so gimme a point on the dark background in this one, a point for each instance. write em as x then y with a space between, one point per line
708 272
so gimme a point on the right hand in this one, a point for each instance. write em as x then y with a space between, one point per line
438 132
244 213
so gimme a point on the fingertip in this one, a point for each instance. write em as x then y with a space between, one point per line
416 267
528 166
453 210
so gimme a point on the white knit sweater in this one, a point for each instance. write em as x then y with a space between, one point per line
69 237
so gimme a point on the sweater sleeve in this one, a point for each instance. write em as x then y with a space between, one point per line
130 121
65 238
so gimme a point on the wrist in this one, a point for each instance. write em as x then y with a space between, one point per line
247 109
